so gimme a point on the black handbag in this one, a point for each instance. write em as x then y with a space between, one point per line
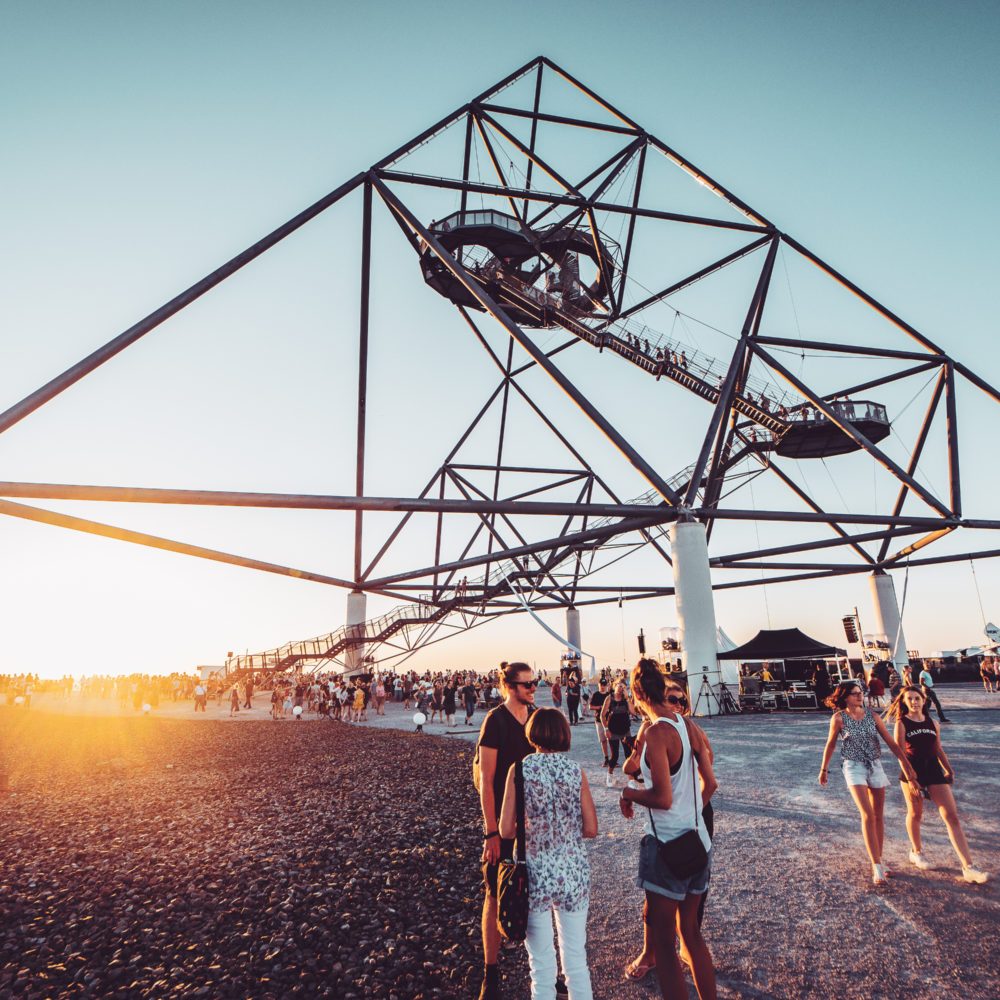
685 855
512 876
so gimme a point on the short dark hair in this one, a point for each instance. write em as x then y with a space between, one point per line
838 699
548 729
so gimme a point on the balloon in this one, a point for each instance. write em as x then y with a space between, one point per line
297 710
419 718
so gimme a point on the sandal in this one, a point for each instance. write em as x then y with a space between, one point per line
637 971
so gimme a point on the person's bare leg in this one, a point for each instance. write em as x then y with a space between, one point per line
702 969
645 957
914 813
868 828
942 797
878 807
491 935
662 917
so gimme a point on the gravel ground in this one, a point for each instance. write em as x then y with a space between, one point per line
236 871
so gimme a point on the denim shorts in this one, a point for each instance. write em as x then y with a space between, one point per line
654 876
857 772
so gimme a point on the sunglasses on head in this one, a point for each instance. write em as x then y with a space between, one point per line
526 684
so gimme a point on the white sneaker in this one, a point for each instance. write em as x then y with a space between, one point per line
974 875
878 875
610 779
919 861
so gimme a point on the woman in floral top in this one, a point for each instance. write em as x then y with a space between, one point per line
558 813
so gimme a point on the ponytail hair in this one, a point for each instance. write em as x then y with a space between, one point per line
648 682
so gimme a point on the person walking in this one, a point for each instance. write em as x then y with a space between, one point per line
556 693
927 683
248 692
597 700
469 697
672 756
234 701
502 743
616 715
573 700
437 702
858 732
921 739
559 813
449 703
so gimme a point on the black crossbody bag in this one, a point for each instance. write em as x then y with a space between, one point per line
685 855
512 876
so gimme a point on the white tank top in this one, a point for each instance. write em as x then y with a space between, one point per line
686 807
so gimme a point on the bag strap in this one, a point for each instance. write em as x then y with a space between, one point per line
694 771
519 799
694 782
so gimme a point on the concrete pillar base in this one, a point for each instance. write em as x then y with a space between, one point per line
357 609
696 614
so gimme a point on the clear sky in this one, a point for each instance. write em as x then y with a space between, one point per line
146 143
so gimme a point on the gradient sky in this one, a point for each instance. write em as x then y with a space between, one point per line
146 143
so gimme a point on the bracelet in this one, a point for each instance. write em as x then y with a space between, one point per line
495 833
823 770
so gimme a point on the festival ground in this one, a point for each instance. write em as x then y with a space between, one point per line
184 856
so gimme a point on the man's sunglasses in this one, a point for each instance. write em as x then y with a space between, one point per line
526 684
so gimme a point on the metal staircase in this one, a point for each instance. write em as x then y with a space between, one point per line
420 612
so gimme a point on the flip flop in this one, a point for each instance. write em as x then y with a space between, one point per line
636 971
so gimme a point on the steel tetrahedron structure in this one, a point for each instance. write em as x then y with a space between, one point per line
552 227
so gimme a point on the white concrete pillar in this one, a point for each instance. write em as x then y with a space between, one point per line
887 617
573 637
357 608
573 631
695 613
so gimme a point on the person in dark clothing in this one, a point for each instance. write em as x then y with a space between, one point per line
573 700
469 697
249 693
502 743
616 714
821 685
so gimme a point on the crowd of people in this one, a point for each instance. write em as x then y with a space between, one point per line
669 782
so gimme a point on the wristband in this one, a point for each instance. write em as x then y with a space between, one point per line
823 770
495 833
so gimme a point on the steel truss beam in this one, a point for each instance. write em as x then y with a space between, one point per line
484 113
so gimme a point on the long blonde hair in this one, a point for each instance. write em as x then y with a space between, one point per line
898 707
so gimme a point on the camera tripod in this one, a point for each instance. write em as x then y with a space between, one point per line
728 705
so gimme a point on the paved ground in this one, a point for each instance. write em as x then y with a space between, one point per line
792 912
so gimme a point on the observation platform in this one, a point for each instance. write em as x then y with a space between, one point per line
535 276
495 247
811 434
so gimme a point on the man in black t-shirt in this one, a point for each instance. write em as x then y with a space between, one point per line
469 698
502 743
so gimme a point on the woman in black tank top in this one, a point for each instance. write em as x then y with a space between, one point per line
920 739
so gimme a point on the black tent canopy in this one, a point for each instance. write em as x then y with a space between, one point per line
781 644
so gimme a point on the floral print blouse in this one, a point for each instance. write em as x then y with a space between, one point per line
558 869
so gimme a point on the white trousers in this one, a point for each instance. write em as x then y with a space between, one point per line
572 929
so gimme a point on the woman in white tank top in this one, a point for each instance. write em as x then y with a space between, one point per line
671 756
